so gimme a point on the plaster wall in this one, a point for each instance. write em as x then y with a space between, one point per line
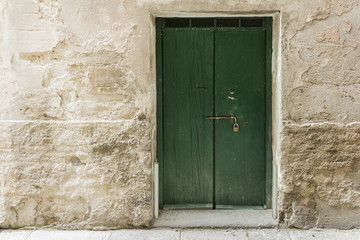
77 112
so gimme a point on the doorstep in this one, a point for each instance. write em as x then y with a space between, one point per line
244 218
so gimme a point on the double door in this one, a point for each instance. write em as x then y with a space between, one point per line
214 117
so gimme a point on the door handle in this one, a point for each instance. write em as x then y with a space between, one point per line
236 125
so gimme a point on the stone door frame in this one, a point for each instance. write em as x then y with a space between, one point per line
276 92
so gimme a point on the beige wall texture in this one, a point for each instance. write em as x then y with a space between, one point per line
77 112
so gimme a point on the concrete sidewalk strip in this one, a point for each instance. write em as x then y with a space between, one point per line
329 234
183 234
267 234
14 235
210 234
153 234
69 235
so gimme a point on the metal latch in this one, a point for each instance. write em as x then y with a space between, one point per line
235 126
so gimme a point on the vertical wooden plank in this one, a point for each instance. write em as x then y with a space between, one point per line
269 165
159 107
240 91
188 136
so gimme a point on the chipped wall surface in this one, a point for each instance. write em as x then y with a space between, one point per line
77 112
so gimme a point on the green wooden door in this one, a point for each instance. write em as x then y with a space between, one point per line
240 91
188 97
213 72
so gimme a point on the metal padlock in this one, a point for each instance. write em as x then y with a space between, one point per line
236 127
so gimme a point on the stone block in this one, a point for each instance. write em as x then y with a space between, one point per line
74 175
320 174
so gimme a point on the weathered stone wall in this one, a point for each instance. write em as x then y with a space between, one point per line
320 164
321 169
77 112
75 175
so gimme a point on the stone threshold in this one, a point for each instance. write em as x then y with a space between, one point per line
243 218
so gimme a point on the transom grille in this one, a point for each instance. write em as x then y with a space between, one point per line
257 22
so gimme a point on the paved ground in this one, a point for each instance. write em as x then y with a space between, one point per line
183 234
